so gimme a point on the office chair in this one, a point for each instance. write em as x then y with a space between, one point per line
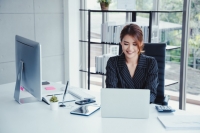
157 50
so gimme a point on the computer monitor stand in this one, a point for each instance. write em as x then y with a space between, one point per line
18 85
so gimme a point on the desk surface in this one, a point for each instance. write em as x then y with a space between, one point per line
38 118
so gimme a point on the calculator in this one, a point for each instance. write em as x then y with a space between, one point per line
161 108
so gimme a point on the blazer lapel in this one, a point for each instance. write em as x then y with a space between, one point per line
140 70
124 72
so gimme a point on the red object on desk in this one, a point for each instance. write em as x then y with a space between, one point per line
50 88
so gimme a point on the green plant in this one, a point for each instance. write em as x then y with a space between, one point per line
54 99
107 2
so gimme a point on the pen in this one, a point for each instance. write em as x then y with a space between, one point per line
62 105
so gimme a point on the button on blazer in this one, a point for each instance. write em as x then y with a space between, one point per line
145 76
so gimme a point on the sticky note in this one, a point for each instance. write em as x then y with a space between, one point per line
22 88
50 88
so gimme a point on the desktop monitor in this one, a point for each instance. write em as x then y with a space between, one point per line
28 69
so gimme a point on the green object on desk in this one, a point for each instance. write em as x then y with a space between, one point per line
54 99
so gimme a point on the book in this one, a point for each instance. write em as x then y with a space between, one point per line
107 30
181 122
101 62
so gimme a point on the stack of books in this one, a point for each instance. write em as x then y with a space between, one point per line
110 32
101 62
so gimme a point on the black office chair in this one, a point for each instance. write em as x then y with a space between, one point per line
157 50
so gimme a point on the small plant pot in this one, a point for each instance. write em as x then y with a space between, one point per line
54 105
104 6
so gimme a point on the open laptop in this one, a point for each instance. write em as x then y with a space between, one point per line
125 103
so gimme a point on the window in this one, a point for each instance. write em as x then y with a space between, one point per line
193 71
169 31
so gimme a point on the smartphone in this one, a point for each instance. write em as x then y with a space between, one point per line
86 101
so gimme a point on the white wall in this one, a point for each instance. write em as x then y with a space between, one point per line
53 23
71 40
42 21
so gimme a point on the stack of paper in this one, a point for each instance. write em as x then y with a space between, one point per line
180 121
68 98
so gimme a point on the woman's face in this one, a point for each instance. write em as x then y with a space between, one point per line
129 47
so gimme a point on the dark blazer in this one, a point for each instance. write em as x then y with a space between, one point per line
145 76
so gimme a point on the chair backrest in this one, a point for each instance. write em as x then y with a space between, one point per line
156 50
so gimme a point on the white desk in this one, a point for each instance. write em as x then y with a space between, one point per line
38 118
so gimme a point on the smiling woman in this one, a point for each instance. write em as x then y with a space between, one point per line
132 69
132 40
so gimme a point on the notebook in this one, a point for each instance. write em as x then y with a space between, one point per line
181 122
125 103
68 98
80 94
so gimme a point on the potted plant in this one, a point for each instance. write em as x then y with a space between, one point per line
104 4
54 102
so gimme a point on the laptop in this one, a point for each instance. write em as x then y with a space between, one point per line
125 103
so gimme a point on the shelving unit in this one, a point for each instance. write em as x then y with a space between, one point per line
89 41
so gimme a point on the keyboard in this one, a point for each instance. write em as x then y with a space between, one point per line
80 94
164 109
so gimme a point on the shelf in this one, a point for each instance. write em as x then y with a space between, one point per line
172 47
92 72
169 82
128 11
97 41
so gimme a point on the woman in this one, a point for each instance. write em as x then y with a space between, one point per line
132 69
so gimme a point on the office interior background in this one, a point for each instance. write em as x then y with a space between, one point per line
59 25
